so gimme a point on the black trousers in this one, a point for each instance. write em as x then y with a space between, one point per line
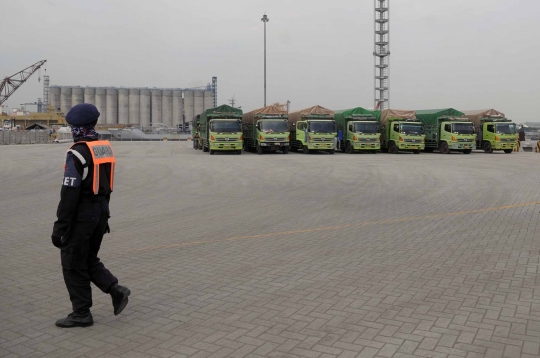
80 263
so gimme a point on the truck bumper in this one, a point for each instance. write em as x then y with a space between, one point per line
226 146
462 146
404 146
507 145
366 146
321 146
273 145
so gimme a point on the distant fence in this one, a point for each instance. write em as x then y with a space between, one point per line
24 137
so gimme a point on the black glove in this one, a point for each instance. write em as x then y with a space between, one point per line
57 241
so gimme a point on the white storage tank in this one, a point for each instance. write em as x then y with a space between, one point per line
101 104
77 95
90 95
156 106
134 106
145 108
177 108
123 106
198 102
65 99
188 105
54 98
112 106
208 100
166 107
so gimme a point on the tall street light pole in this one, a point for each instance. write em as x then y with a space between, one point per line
265 19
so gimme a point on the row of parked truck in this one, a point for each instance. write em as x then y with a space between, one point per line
271 129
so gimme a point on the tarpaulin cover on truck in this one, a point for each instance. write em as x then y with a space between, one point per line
223 109
311 111
475 115
396 113
429 116
265 111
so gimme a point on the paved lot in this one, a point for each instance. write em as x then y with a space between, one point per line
283 256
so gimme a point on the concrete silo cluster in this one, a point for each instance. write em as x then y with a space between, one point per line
135 106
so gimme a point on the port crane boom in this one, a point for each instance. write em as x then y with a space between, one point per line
10 84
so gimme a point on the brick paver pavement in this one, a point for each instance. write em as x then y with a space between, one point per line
283 256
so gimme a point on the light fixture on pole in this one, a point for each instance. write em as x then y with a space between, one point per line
265 19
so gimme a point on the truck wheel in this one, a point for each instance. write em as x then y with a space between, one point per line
305 149
259 149
508 151
416 151
349 148
285 150
212 152
332 151
392 148
467 151
293 149
487 147
384 150
204 149
443 148
239 152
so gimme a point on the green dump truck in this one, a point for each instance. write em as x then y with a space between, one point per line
447 130
313 129
357 129
493 130
400 131
265 130
220 129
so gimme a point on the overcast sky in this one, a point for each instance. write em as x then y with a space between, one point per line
460 53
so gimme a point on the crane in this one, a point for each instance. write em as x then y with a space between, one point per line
10 84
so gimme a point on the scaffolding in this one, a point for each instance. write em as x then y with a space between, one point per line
381 54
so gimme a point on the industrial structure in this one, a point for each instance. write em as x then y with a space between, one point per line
381 54
144 107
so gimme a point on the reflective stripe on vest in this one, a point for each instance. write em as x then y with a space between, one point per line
102 153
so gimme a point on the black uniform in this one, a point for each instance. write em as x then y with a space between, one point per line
82 222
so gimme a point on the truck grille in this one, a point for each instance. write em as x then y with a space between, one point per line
322 139
413 140
507 139
465 140
226 139
367 139
269 139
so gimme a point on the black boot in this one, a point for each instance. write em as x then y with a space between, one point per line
76 319
119 296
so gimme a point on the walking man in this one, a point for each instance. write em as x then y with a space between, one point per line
83 214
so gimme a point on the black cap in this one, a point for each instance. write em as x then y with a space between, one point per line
83 115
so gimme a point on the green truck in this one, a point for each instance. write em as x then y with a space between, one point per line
220 129
313 129
447 130
400 131
265 130
493 131
357 129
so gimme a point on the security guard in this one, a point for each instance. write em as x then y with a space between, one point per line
83 215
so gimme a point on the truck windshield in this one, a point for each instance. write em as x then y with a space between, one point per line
414 129
462 128
322 127
273 126
225 126
366 128
506 128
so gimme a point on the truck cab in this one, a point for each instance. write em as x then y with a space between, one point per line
359 132
496 134
399 134
267 134
314 134
450 134
220 129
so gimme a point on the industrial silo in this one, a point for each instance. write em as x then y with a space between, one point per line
77 95
208 100
54 98
134 106
90 95
177 108
145 108
65 99
101 104
156 106
112 105
188 106
198 102
166 107
123 106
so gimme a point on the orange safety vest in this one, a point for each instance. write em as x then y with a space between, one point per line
102 153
